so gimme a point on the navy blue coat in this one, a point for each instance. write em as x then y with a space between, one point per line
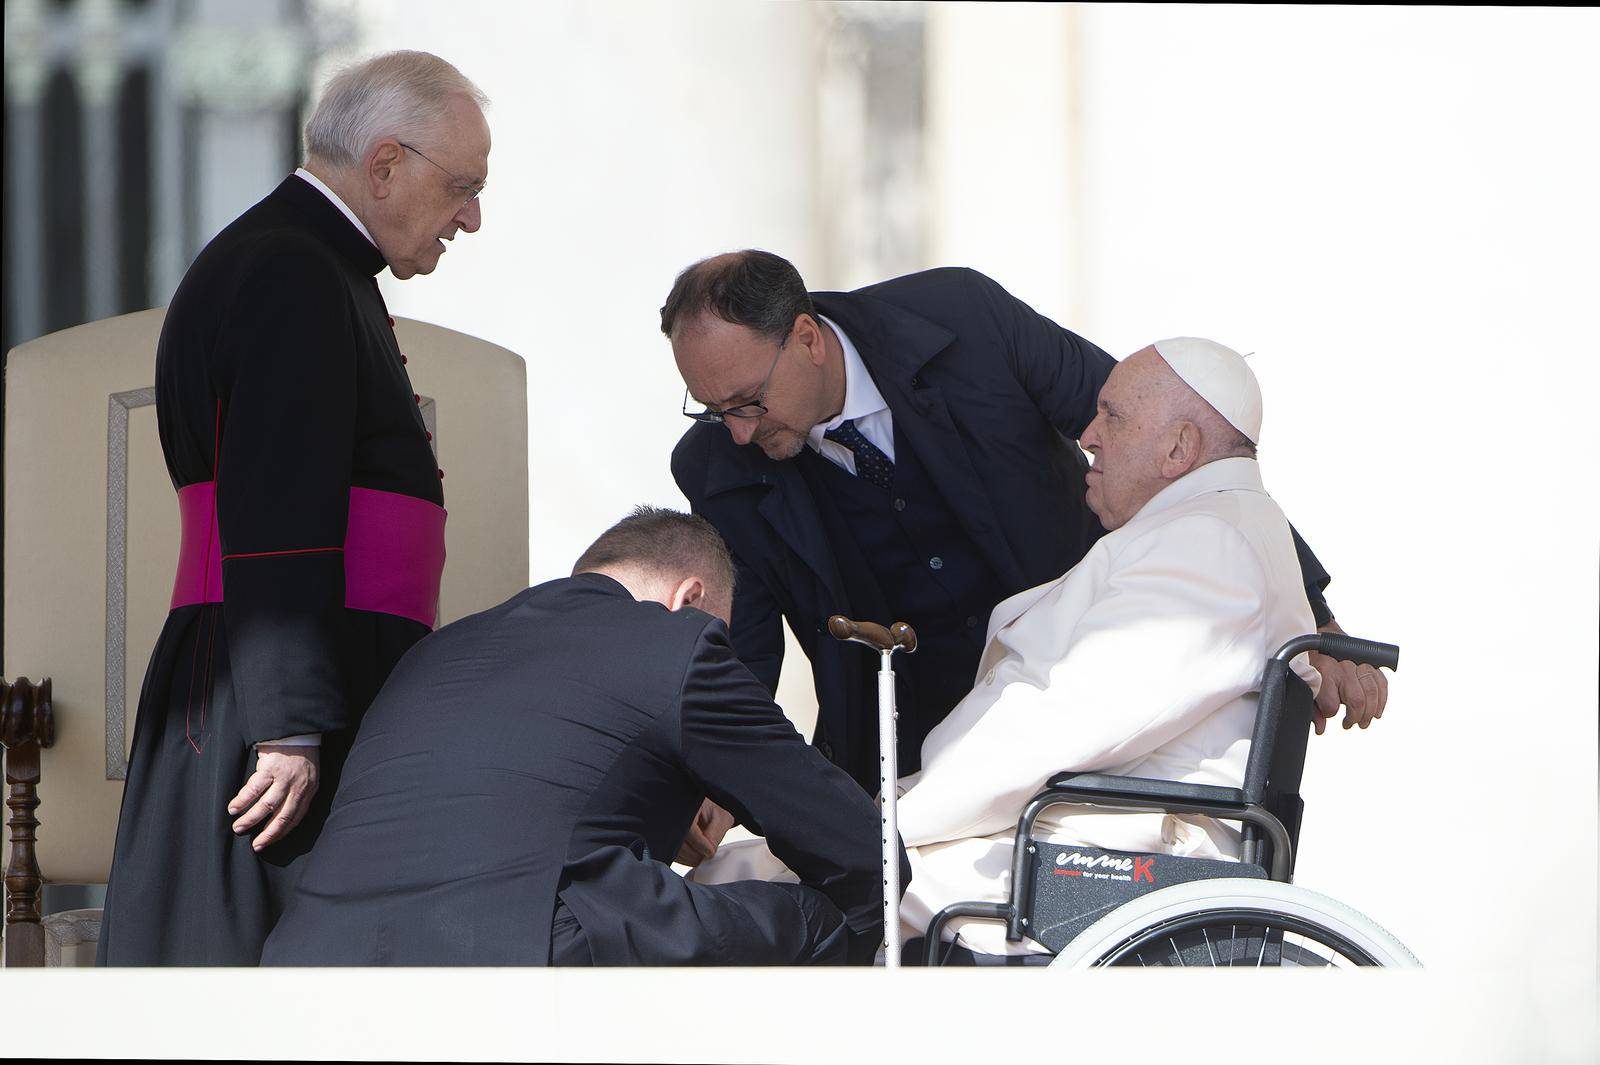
558 745
992 396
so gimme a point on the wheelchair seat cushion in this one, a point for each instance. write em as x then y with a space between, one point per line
1105 784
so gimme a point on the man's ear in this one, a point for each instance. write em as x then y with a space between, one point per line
381 166
691 591
808 331
1183 451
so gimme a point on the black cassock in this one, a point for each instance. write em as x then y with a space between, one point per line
280 383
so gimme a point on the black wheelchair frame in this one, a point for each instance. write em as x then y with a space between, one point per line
1268 806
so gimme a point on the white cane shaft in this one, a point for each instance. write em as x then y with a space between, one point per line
887 776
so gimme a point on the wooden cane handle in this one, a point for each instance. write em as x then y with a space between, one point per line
897 637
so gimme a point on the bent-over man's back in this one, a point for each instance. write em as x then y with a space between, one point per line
551 753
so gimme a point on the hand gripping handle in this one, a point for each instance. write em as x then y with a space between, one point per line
1344 648
897 637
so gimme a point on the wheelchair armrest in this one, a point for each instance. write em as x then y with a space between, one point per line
1104 785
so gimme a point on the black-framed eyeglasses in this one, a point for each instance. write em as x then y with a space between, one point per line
743 410
474 189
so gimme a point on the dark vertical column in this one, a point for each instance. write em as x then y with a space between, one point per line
99 76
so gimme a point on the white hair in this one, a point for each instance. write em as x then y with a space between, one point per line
403 95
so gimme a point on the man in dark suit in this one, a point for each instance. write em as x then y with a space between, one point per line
913 459
517 788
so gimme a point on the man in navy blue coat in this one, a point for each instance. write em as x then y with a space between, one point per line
518 787
905 451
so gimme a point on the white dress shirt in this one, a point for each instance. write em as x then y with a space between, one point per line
863 404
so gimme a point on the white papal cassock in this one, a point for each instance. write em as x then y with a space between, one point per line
1140 661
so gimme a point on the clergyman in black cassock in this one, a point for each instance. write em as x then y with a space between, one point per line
313 531
278 378
530 771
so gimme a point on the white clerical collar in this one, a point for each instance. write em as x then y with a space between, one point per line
1222 475
861 396
317 183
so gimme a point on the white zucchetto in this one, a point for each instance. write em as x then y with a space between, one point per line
1219 376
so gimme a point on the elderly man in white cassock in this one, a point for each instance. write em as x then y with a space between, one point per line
1142 660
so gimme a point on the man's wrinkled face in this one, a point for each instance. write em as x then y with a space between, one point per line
1128 438
724 366
431 196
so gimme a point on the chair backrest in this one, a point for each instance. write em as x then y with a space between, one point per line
91 537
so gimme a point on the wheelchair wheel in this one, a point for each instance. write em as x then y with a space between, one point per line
1235 923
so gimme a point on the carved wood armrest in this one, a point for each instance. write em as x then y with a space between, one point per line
27 726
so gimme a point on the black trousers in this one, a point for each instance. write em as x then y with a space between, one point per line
824 938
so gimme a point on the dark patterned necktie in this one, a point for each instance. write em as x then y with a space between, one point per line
872 465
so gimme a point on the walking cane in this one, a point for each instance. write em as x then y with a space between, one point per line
897 637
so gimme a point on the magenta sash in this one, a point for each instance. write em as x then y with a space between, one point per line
393 553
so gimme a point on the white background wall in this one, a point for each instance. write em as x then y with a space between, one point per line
1396 211
630 139
1393 209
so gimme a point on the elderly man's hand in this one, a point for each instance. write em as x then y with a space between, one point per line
705 834
283 784
1361 689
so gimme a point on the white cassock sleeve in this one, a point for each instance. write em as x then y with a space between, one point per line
1176 631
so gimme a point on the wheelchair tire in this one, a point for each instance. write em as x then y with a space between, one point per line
1200 923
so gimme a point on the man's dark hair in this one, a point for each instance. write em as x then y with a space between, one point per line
665 541
756 289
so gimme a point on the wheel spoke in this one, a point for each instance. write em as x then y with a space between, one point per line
1293 941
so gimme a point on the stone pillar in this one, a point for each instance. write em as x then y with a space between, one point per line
871 178
1002 136
238 69
99 72
27 69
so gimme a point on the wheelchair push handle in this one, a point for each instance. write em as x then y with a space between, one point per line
897 637
1344 648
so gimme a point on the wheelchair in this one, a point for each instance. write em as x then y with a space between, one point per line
1091 907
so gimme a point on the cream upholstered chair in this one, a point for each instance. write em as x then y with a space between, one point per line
91 542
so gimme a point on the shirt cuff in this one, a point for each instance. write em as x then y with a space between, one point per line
309 739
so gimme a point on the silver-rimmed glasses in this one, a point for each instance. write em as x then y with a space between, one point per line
473 189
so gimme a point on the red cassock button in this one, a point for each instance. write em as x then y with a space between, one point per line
416 397
391 321
441 475
430 435
403 360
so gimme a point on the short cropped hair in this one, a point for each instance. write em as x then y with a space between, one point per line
756 289
403 95
666 542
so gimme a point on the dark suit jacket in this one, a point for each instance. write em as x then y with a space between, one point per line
560 743
991 395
